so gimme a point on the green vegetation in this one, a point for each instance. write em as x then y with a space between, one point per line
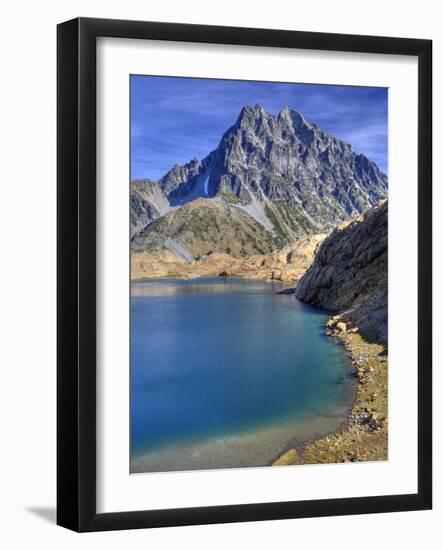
282 236
290 222
229 197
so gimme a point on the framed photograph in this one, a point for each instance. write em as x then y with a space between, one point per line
244 274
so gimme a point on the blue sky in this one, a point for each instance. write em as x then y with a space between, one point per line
176 119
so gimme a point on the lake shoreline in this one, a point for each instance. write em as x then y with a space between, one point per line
287 264
364 436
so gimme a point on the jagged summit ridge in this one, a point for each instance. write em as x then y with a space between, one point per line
283 157
290 176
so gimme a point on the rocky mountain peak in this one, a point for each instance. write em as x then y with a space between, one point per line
249 112
291 176
250 119
285 113
294 119
175 177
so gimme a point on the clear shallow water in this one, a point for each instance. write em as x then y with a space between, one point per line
217 362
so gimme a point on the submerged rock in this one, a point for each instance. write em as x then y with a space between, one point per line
288 458
287 291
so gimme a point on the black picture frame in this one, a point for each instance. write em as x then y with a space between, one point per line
76 281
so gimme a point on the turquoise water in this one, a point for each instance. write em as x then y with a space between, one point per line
215 358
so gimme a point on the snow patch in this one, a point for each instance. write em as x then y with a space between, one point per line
206 185
200 190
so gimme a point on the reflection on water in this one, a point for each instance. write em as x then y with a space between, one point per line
224 360
219 285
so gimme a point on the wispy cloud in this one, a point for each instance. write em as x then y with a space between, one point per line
176 119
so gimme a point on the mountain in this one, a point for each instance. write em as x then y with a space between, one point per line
279 177
285 158
349 274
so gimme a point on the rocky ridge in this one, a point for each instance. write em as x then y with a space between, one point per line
349 275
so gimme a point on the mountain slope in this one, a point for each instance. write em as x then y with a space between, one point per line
205 226
350 273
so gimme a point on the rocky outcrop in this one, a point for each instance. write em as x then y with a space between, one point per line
349 275
152 266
